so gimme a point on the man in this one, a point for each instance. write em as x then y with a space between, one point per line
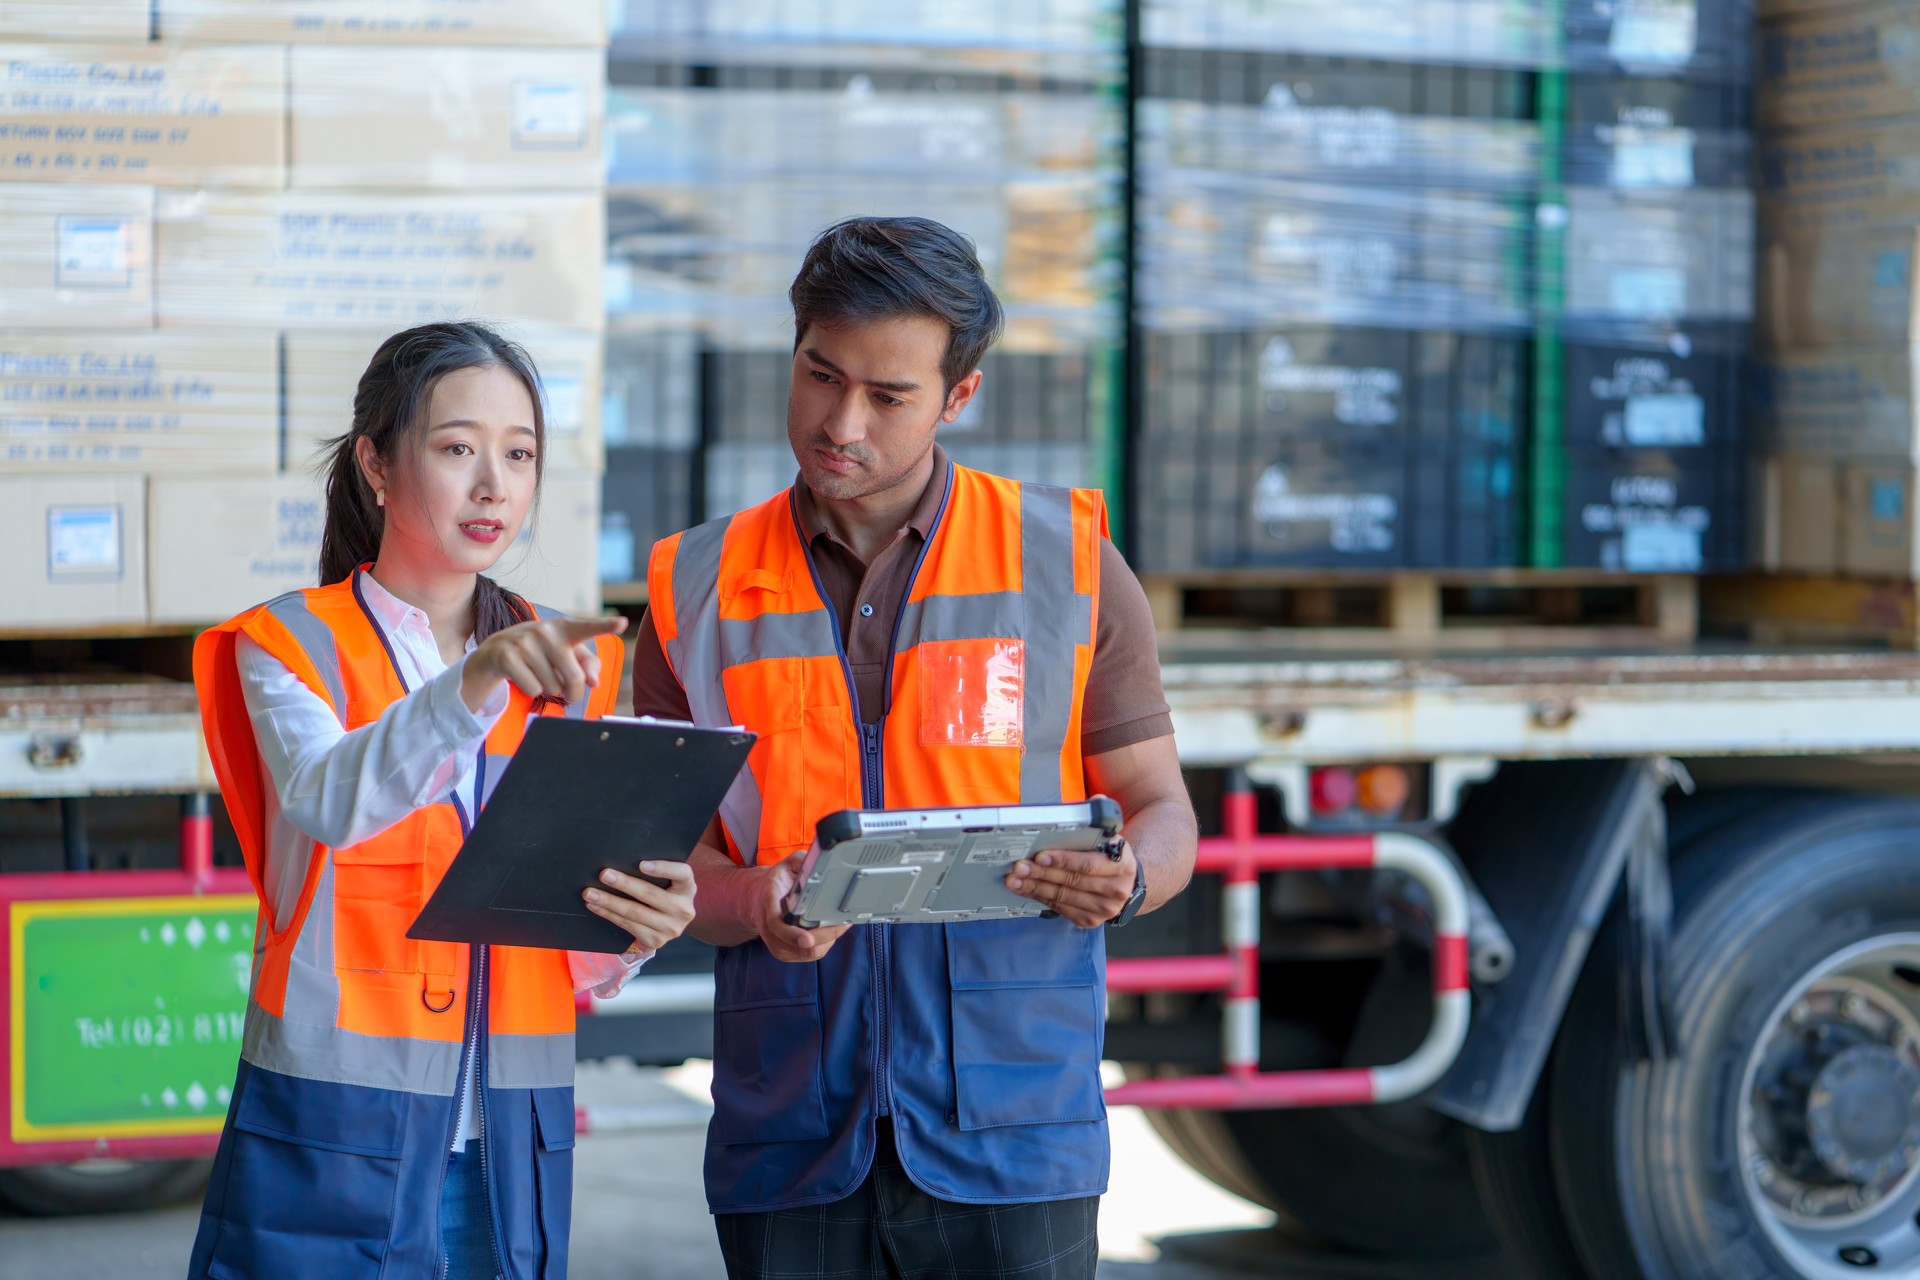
915 1100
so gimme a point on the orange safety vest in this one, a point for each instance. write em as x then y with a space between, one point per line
981 1040
340 992
985 698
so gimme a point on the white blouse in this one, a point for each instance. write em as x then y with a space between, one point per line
327 786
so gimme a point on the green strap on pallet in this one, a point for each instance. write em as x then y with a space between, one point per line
1548 461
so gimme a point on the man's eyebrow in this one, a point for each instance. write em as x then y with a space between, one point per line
904 388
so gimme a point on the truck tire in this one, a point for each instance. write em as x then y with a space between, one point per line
101 1186
1780 1140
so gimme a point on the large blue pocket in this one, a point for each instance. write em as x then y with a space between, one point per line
553 1173
313 1180
767 1040
1028 1019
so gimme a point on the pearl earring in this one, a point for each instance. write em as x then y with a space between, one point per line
380 497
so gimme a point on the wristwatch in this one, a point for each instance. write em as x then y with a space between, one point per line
1134 899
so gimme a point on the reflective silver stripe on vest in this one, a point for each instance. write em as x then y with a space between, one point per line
936 618
313 985
529 1062
313 1051
316 641
1056 620
694 651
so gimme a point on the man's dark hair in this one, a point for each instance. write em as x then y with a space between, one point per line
865 269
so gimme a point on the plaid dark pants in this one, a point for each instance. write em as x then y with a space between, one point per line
891 1230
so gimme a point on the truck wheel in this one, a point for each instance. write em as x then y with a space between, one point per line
101 1186
1781 1138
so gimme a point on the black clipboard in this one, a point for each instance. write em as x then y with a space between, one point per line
578 797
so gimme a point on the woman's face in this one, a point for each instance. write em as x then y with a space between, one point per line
459 501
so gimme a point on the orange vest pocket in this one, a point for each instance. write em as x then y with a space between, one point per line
373 906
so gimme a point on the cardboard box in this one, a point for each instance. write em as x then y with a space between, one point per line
77 550
141 401
318 260
1823 289
1841 402
501 22
1841 178
1856 63
76 19
323 370
76 257
1659 255
220 544
1799 525
143 113
556 559
1878 534
474 119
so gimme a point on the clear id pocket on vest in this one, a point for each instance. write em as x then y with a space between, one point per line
972 692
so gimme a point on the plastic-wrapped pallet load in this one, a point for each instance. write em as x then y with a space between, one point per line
1330 447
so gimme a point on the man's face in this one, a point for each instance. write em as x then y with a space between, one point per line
866 400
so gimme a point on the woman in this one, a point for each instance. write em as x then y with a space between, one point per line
404 1108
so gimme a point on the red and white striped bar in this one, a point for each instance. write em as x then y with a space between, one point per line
1241 856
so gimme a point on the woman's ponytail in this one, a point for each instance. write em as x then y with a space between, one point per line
354 518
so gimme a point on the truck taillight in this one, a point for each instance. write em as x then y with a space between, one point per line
1382 790
1333 790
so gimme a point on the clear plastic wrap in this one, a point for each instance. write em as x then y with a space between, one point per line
76 256
1227 250
162 114
446 118
76 20
322 368
1659 255
139 401
1068 25
337 260
515 23
1668 37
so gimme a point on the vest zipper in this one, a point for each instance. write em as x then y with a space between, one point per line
873 792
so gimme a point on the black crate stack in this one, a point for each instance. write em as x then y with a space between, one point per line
1640 453
740 130
1440 284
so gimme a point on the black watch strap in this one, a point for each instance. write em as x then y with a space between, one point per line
1134 899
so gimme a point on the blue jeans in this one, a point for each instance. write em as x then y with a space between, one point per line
466 1225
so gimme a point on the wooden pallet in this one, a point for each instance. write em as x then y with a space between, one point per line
1490 609
1791 610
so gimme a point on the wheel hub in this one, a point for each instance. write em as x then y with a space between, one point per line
1863 1115
1835 1104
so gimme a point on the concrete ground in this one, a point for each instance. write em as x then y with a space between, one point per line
639 1213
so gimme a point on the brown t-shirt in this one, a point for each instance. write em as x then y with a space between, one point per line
1124 703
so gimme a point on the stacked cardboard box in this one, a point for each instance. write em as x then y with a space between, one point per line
207 226
737 132
1840 217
